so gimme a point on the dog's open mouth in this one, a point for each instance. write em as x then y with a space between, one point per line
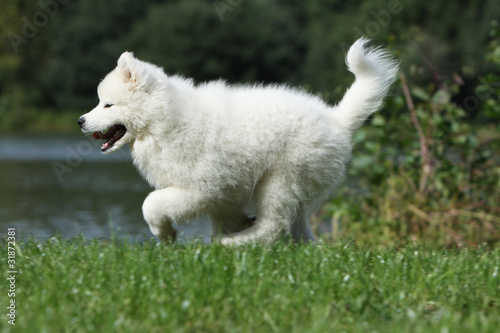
115 133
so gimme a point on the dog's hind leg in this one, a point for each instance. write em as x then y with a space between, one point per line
277 207
171 205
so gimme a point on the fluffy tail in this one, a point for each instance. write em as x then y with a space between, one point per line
375 71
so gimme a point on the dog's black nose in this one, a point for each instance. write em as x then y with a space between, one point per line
81 121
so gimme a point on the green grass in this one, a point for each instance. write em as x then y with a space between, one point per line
114 286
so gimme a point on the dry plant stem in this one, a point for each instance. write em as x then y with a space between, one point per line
424 151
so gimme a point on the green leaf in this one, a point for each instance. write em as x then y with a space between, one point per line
378 120
420 93
441 97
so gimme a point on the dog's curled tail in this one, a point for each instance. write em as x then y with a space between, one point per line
375 71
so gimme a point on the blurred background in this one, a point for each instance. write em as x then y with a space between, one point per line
425 169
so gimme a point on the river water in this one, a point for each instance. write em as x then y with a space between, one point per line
63 185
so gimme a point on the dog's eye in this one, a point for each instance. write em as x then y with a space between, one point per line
108 105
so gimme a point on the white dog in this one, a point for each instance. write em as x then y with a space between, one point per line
218 149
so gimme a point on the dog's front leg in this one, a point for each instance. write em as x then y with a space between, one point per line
162 208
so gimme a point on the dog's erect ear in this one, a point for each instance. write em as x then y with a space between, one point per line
136 73
126 65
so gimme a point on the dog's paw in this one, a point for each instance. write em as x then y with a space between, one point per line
218 239
226 240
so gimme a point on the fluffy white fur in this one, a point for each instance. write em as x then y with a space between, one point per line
218 149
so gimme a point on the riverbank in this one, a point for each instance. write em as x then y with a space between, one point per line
35 121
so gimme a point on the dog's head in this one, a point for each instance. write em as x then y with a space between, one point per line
125 96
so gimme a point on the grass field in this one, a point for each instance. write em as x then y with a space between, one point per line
114 286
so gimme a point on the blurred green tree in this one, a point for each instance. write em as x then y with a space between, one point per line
298 42
254 41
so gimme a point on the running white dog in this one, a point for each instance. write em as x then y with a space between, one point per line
218 149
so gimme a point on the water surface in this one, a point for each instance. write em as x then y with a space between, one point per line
64 185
